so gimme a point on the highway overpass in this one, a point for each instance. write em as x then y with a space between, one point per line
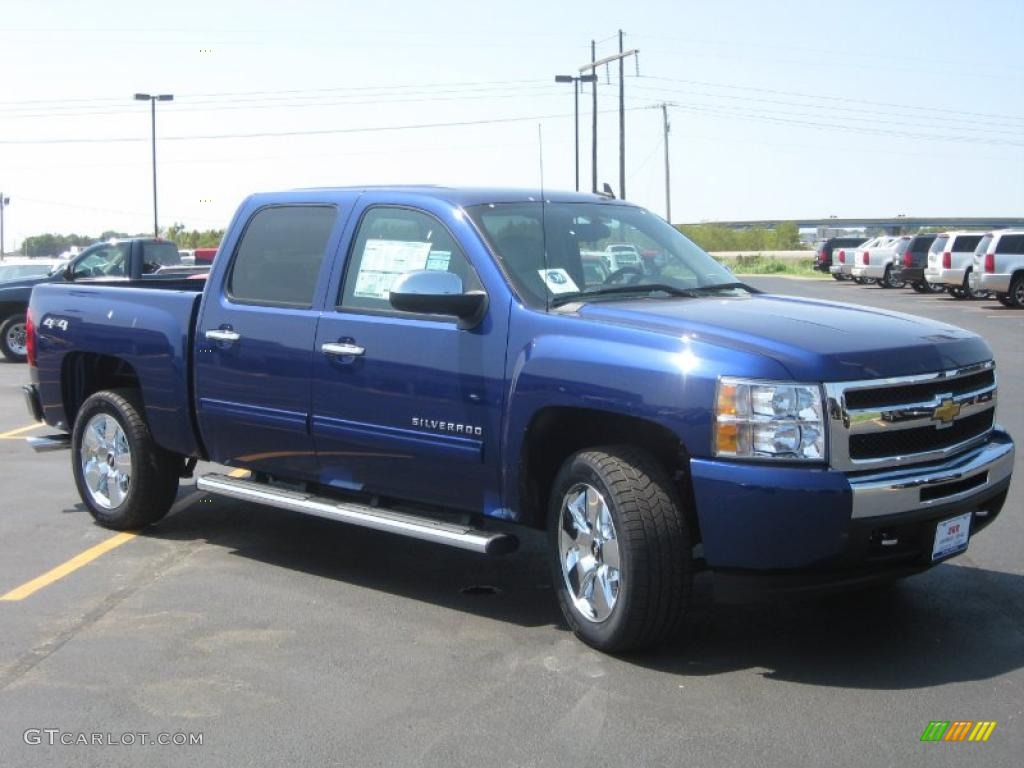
895 225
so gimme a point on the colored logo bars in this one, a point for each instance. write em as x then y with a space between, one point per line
958 730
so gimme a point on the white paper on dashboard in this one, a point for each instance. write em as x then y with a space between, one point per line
558 281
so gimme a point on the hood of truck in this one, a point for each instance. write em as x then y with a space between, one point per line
813 340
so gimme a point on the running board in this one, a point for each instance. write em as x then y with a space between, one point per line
460 536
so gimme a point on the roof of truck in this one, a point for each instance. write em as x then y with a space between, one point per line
461 196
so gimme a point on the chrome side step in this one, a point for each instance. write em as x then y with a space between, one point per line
47 443
439 532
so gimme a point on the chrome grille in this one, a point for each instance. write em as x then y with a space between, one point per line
891 422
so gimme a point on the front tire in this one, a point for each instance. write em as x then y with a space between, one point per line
620 549
124 478
13 344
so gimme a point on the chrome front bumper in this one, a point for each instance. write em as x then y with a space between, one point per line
986 281
910 489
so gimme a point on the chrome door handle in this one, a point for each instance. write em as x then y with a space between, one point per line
222 334
341 349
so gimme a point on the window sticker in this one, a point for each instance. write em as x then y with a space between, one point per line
439 260
557 281
383 262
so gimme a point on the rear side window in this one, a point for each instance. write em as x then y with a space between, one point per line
966 243
278 260
1010 244
921 244
939 245
156 256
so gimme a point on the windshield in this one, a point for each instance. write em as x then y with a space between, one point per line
593 248
19 271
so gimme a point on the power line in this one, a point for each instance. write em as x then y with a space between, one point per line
276 134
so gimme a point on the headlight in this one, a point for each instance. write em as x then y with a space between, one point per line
769 420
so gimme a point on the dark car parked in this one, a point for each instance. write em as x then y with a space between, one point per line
823 260
911 261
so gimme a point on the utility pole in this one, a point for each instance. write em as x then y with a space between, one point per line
668 182
4 202
592 67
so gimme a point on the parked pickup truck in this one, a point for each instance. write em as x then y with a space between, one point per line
876 264
128 259
436 363
844 259
999 267
950 261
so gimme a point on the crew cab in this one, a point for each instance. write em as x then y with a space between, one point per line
125 259
999 267
438 363
950 261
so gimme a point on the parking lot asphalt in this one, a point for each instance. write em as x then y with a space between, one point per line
290 640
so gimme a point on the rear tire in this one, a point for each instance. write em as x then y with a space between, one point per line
934 288
620 549
888 281
1004 299
125 479
956 292
12 338
1016 294
838 278
919 287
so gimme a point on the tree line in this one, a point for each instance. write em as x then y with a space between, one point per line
715 237
51 244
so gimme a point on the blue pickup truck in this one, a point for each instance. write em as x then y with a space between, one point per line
438 363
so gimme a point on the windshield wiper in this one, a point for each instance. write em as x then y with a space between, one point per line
610 290
723 287
671 290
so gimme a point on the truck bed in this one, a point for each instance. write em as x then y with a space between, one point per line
148 324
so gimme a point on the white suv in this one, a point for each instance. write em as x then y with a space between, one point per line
843 260
950 261
875 263
999 266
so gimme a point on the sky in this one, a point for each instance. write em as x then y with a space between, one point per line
778 110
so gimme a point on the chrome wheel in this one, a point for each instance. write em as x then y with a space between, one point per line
589 552
106 461
15 339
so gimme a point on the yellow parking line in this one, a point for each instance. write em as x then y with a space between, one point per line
31 587
20 430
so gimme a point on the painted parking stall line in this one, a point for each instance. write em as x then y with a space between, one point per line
14 434
29 588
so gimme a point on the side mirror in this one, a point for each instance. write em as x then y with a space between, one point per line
433 292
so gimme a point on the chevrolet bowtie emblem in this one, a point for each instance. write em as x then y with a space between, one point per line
946 411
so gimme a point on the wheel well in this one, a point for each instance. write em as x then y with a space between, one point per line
85 373
556 433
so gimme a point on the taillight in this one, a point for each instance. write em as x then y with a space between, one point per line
990 262
30 339
947 260
842 257
908 259
864 258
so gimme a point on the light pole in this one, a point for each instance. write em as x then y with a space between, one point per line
4 202
576 111
152 111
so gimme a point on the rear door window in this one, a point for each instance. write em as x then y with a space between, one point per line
1010 244
278 259
966 243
